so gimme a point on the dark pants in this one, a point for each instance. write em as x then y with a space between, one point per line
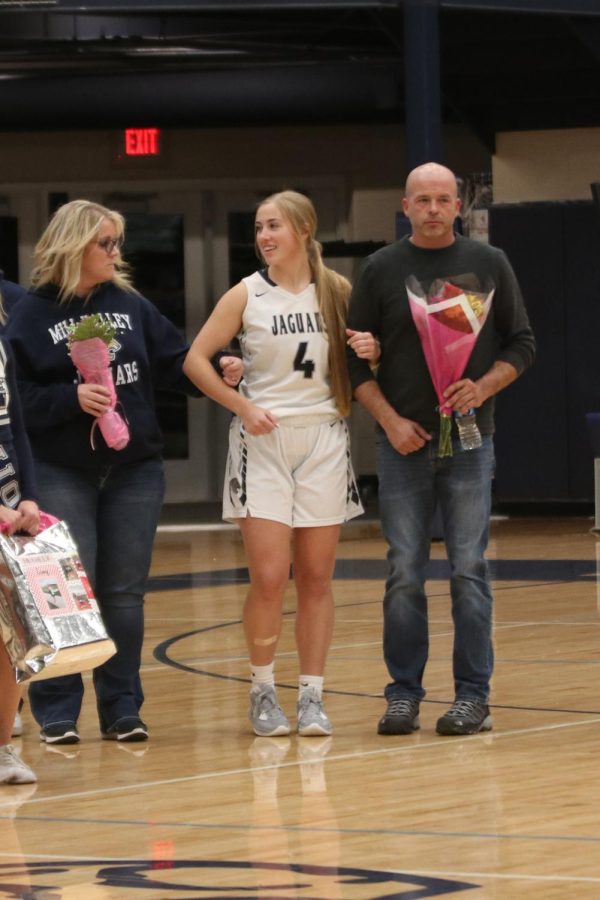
112 513
410 487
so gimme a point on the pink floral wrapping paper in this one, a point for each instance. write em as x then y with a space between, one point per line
448 319
91 357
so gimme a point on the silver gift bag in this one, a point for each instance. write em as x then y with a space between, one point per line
49 617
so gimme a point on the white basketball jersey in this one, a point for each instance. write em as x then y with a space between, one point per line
285 351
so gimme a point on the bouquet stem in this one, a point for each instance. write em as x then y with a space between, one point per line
445 444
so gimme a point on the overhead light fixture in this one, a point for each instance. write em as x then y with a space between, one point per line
178 51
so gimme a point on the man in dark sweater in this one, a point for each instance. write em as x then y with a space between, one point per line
413 479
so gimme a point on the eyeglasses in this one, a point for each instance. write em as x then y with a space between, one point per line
110 244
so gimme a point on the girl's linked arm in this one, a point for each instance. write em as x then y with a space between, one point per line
218 331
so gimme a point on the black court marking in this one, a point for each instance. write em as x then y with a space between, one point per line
161 654
377 570
199 879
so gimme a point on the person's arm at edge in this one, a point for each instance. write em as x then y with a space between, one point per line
29 513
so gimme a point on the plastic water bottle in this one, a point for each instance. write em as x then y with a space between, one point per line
468 432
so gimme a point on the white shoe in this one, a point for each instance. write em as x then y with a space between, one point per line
17 729
12 768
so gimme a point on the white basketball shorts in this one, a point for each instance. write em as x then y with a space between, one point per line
299 474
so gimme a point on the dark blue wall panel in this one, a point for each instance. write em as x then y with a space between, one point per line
532 421
582 338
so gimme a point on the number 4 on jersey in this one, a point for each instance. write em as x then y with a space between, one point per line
303 365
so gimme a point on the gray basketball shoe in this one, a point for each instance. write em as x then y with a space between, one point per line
312 718
267 717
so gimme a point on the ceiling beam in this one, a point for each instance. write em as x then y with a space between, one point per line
167 6
333 93
545 7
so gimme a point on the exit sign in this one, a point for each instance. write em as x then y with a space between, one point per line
141 142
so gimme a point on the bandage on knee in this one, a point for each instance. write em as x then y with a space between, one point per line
265 642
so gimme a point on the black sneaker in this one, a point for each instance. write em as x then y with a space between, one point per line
401 716
129 729
60 733
465 717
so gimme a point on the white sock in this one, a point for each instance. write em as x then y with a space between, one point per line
310 681
262 674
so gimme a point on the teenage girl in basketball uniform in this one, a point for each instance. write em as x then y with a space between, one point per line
289 482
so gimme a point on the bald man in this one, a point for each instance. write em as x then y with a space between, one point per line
413 479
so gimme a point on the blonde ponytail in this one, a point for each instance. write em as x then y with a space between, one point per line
332 291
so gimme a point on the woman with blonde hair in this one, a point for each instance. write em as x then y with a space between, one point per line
111 498
289 473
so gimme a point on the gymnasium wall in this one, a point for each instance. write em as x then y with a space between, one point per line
546 165
370 162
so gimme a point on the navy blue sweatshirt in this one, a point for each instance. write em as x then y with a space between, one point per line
147 353
14 445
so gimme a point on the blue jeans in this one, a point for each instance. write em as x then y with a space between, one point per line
409 489
112 513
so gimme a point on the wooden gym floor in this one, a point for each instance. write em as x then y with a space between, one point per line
207 810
